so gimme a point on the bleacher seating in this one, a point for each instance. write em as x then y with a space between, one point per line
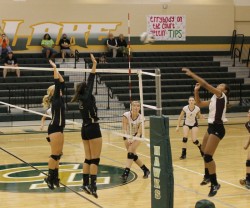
176 86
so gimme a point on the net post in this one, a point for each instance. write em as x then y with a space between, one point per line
158 91
141 100
162 177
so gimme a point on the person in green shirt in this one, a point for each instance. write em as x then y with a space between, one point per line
48 46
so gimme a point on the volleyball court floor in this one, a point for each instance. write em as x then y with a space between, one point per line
23 186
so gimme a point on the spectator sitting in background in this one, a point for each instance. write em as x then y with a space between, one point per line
102 59
122 44
10 60
48 46
112 45
65 47
4 44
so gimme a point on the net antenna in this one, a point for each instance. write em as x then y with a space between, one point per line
129 74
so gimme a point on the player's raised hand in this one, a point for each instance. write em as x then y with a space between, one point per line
93 59
52 64
187 71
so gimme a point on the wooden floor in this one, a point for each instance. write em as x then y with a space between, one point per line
32 148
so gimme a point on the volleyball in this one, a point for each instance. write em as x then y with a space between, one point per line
147 38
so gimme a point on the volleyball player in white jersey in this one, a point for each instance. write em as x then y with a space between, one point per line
246 181
134 120
216 131
190 113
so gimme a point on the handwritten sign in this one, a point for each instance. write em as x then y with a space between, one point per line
167 27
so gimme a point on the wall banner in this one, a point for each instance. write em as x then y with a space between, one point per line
167 27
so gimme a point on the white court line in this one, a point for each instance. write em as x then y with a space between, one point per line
177 166
186 169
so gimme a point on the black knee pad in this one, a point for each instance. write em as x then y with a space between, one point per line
248 163
95 161
87 161
196 142
55 157
135 157
208 158
184 139
131 155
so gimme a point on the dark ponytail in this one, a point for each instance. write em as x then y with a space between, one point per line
80 88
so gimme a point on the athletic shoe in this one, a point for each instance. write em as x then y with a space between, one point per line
93 190
56 182
85 189
182 157
49 183
248 184
146 174
124 178
205 181
242 182
213 190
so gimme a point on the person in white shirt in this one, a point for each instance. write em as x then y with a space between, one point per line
131 124
216 131
190 113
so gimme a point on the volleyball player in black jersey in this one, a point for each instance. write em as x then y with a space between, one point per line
55 130
91 133
216 131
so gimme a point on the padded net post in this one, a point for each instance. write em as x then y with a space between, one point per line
162 178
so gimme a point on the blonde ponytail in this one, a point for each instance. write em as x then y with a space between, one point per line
47 98
46 101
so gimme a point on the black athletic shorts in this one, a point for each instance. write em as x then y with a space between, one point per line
125 138
216 129
190 127
91 131
53 129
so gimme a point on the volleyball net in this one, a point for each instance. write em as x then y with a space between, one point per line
21 98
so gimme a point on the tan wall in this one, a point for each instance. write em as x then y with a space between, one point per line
242 20
202 19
